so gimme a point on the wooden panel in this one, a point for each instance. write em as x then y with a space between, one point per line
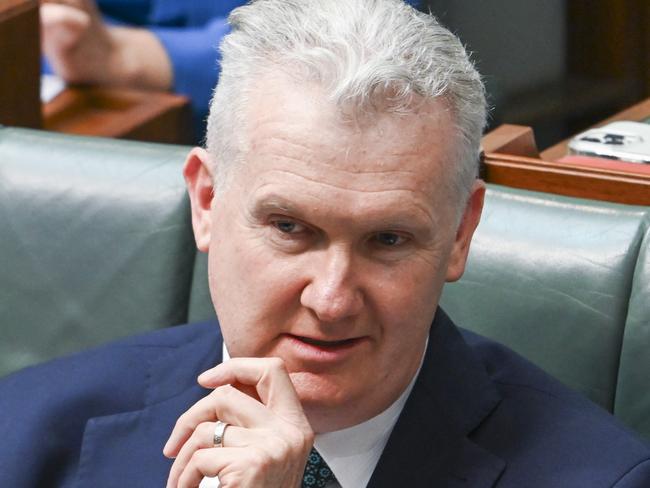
121 113
566 179
511 139
614 181
20 103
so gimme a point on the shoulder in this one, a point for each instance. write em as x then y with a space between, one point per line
108 361
549 433
108 378
45 408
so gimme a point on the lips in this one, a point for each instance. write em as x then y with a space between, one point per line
322 351
324 343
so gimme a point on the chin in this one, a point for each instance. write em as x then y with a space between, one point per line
319 392
328 405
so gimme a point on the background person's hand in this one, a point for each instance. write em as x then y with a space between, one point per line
268 438
76 41
82 49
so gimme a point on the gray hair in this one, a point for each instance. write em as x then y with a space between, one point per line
359 51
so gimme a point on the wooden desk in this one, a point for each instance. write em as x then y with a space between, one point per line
511 158
19 63
121 113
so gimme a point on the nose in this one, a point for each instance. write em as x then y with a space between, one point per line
333 293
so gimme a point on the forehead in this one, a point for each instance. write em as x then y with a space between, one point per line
299 138
282 103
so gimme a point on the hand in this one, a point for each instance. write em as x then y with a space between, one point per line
268 438
81 48
75 40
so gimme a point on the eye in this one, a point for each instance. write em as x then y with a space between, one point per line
389 239
287 226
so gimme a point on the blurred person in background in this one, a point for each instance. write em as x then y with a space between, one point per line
150 44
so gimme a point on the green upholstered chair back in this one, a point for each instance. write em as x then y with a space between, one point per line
552 278
632 402
95 242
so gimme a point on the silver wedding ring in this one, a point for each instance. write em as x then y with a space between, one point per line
219 429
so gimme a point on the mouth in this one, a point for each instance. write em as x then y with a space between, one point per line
324 343
311 349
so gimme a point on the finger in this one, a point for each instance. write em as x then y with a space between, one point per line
54 15
201 411
205 462
218 461
268 375
226 404
78 4
203 438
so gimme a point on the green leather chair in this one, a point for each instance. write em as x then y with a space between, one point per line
632 401
96 244
564 282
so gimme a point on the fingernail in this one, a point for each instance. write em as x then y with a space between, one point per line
206 376
166 449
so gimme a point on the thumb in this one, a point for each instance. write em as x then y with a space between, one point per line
62 26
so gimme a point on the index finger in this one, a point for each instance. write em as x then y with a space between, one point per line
268 376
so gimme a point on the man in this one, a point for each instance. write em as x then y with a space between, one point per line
336 196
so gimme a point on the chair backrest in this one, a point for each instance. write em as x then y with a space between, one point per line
564 282
632 402
95 242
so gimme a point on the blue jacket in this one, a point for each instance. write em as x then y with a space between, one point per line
190 31
478 416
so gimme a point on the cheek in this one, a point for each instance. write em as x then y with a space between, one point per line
405 302
255 294
409 291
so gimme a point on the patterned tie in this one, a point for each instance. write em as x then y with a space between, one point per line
317 472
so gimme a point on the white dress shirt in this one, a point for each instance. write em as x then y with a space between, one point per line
352 454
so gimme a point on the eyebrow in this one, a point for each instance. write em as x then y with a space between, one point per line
398 221
273 203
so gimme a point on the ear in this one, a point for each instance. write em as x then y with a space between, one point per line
198 177
465 232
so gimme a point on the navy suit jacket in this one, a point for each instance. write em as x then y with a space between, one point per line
478 416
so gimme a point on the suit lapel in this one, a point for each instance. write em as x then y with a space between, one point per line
125 449
429 445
